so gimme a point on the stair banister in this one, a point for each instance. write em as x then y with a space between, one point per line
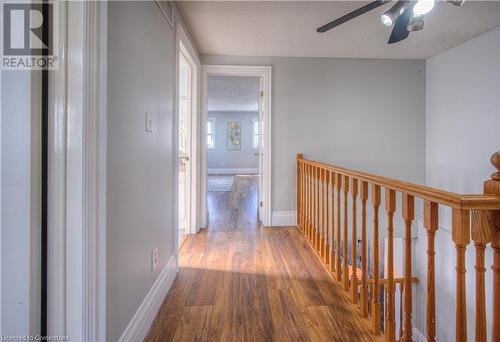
325 224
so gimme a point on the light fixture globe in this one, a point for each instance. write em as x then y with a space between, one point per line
390 16
386 20
423 7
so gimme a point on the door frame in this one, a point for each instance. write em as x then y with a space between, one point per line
264 72
77 152
184 46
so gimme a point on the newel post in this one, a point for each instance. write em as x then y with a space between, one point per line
299 191
492 187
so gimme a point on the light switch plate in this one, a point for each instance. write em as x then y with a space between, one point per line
149 121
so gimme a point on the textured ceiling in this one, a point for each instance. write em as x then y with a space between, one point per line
288 28
233 93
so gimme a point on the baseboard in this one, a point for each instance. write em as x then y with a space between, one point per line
418 336
138 327
233 171
283 218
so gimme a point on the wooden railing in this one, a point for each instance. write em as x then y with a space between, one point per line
325 220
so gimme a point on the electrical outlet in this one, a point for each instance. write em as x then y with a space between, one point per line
154 259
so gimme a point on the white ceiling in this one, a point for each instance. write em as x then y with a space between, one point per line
288 28
233 93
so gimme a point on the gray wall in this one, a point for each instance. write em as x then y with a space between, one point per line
140 198
463 130
221 157
359 113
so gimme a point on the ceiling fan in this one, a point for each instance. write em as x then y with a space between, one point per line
405 16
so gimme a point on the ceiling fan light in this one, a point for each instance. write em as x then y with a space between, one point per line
390 16
386 20
416 23
423 7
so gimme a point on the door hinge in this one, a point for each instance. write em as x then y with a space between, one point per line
261 204
261 93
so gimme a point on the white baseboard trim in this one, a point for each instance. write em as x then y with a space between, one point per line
283 218
233 171
418 336
139 325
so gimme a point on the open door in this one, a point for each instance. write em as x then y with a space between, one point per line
261 150
184 153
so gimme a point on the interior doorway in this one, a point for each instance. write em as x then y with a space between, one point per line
236 113
185 145
233 144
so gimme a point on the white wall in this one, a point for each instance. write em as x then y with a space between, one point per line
141 165
221 157
463 130
365 114
20 202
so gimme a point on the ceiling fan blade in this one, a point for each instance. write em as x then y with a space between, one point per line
351 15
400 31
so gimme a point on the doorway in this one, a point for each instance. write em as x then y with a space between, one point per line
236 117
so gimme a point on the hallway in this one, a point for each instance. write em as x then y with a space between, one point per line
239 281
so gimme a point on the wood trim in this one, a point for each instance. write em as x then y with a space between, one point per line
424 192
77 175
94 171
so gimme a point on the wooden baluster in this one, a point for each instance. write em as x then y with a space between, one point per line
307 188
318 217
346 237
354 276
332 223
339 265
323 207
408 216
304 197
492 186
311 203
431 222
327 216
376 307
313 213
390 323
461 236
364 290
481 234
401 312
495 244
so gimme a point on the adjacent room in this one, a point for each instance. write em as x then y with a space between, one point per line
233 144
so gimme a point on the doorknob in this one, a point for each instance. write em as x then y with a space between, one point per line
184 158
256 154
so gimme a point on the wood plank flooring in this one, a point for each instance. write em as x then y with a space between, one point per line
239 281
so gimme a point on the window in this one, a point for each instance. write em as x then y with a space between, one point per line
211 133
255 133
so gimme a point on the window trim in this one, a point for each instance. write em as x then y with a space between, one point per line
255 134
212 120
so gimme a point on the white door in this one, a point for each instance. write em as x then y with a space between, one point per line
184 153
261 149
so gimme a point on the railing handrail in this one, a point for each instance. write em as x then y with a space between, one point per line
327 193
451 199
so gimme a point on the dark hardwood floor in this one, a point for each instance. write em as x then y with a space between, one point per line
239 281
